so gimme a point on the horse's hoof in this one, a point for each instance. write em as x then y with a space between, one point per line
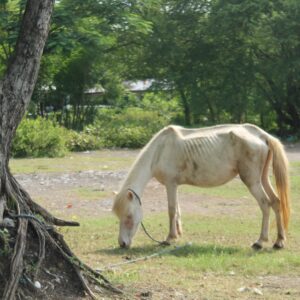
165 243
278 246
256 246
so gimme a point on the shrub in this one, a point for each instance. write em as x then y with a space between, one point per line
131 127
39 137
83 141
125 137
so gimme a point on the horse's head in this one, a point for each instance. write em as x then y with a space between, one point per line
128 208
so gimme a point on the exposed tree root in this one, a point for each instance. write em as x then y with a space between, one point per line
42 223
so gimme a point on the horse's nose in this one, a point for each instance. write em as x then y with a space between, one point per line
123 245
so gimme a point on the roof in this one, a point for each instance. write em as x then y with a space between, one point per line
132 86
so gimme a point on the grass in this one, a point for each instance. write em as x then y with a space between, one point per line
74 162
218 248
233 189
215 265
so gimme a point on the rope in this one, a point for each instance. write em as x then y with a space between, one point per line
162 243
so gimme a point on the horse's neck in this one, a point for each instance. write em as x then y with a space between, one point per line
140 174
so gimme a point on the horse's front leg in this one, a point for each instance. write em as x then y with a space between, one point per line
178 219
174 212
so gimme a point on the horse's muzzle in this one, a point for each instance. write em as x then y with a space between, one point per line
124 245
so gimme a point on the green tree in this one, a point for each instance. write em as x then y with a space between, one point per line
234 60
277 48
87 41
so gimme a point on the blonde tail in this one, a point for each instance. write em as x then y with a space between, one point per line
281 173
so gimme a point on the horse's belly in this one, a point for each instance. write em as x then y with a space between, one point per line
210 181
208 177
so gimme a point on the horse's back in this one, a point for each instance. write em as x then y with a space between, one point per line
209 156
226 136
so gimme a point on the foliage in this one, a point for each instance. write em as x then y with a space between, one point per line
229 61
224 61
82 141
10 12
85 38
131 127
40 137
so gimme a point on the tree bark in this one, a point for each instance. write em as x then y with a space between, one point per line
186 108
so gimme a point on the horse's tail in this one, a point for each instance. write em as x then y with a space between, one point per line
281 173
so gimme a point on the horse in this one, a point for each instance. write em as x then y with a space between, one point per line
207 157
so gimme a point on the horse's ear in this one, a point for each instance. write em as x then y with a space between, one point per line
129 195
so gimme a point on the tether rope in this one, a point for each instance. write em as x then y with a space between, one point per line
162 243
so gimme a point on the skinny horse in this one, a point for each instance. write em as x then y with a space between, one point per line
207 157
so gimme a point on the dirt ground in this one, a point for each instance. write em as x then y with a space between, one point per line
57 193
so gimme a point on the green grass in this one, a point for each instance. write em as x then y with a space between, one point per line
217 247
73 162
233 189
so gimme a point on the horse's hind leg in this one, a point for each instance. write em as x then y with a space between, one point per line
255 187
251 170
263 200
275 204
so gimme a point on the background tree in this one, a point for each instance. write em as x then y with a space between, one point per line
85 45
229 61
277 48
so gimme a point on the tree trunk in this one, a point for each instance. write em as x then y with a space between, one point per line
186 108
16 89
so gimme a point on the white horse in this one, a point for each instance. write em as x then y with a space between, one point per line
207 157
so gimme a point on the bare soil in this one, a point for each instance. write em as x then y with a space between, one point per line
57 193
